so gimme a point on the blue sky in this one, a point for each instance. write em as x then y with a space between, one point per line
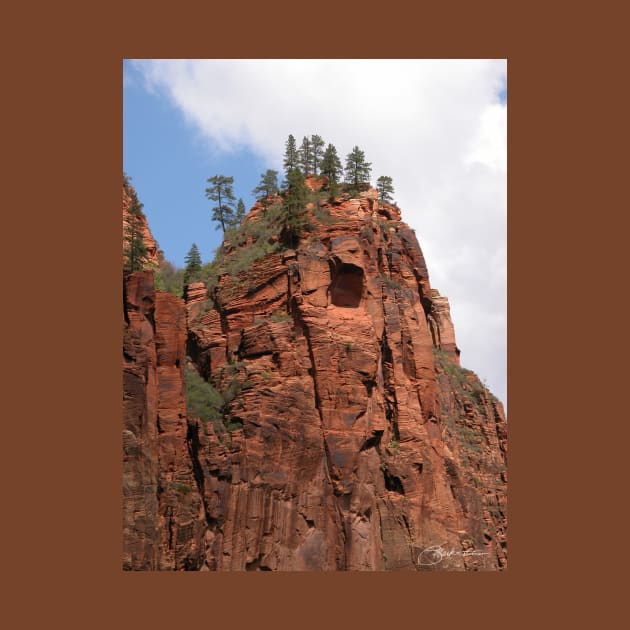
169 165
438 127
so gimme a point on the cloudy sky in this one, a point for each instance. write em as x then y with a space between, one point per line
437 127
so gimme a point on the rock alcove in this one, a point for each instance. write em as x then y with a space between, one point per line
346 289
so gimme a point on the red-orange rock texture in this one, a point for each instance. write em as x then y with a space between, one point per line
355 442
163 524
441 326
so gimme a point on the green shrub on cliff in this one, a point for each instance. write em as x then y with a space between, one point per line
203 401
168 277
211 404
182 488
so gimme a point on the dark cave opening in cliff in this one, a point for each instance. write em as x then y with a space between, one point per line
346 289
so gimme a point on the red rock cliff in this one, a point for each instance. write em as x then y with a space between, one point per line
163 522
441 326
351 438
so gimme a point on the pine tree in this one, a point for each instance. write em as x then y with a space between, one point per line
193 264
294 202
357 169
291 156
136 256
268 185
221 192
385 188
305 154
331 164
240 212
317 150
136 250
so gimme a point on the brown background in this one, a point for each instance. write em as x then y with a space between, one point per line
61 203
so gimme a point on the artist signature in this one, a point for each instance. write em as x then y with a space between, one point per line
436 554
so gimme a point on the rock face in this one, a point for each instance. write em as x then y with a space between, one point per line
441 326
351 439
163 518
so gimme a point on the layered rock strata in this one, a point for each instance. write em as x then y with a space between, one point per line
351 438
163 516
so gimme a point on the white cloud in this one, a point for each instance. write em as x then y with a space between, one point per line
436 126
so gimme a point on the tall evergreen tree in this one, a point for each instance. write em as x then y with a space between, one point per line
291 157
357 169
240 212
220 191
136 249
385 188
331 164
305 154
136 254
193 264
294 202
268 185
317 150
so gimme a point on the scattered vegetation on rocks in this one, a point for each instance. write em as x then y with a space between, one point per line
182 488
211 403
168 277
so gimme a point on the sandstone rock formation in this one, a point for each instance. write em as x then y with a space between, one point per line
349 438
441 326
162 511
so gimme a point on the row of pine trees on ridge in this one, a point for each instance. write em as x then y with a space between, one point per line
310 158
